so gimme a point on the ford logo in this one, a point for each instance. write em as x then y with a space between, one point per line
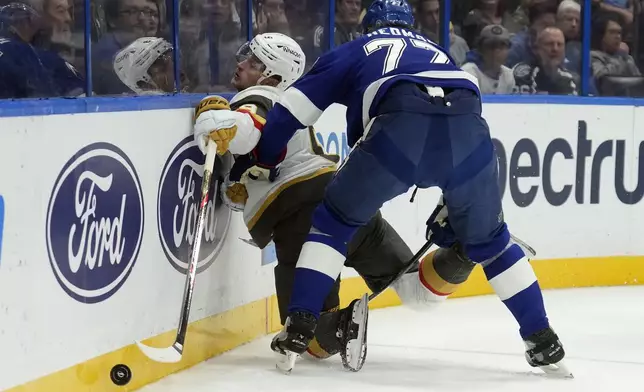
95 222
178 207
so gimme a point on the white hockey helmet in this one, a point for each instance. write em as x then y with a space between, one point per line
280 55
132 64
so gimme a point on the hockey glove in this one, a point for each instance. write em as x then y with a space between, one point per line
234 194
214 120
247 167
442 233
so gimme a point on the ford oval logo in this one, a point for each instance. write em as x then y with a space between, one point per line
95 222
178 207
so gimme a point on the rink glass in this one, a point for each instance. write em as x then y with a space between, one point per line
88 33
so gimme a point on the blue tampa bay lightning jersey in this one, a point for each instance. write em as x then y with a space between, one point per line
357 74
30 72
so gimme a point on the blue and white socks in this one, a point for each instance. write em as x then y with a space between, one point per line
320 262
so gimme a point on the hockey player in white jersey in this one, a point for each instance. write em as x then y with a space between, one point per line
281 210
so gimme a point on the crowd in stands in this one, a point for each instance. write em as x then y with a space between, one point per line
511 46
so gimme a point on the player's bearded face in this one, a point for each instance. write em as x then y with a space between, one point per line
249 69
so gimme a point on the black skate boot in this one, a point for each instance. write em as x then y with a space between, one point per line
544 350
326 342
333 326
344 332
352 333
294 338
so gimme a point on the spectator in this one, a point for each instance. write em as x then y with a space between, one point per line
428 16
547 74
518 18
347 24
127 20
58 12
347 21
61 39
487 61
271 17
460 10
146 67
190 26
606 57
458 48
27 71
568 20
519 11
623 8
540 15
210 60
486 12
304 17
428 19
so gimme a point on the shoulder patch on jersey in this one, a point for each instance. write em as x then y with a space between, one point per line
521 70
251 110
249 107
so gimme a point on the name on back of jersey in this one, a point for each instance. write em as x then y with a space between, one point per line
398 32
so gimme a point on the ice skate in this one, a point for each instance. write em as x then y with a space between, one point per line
342 331
353 333
326 342
545 351
293 340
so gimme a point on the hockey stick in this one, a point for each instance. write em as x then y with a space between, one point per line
175 351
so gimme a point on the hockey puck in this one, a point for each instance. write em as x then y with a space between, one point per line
120 374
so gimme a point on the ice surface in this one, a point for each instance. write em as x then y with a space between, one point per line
469 344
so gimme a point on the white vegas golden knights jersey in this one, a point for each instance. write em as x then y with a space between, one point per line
305 158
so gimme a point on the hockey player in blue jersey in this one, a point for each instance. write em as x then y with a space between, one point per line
414 119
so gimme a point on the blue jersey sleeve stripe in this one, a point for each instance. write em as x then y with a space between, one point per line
300 106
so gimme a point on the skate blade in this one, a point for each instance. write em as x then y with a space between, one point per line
558 370
287 362
355 352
